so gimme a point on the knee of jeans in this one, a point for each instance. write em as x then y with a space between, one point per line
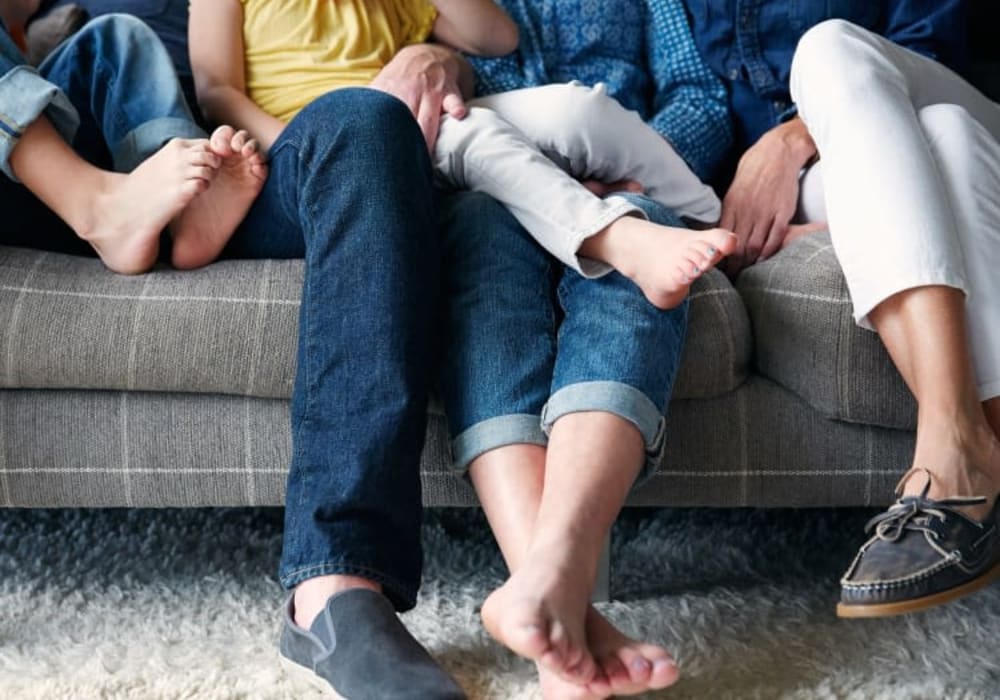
119 27
369 125
834 61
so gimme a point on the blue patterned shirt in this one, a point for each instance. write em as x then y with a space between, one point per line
641 49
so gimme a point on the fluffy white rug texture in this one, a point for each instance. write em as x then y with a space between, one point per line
184 604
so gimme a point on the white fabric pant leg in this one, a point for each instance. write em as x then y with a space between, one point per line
891 219
591 136
812 198
484 153
909 153
969 160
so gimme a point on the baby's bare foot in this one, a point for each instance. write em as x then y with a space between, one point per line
203 228
132 209
662 260
539 613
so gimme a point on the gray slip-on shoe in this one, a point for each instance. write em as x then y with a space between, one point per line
358 649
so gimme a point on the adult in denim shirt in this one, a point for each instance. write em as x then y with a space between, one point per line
555 386
902 159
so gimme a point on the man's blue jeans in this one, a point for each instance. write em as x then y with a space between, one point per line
530 340
350 191
110 90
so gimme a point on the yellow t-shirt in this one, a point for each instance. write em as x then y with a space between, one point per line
297 50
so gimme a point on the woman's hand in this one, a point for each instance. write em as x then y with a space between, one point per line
431 80
763 196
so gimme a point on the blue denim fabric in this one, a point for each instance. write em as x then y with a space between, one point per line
530 340
111 89
350 190
750 43
24 94
121 80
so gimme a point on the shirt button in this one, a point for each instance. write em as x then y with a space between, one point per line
780 105
734 74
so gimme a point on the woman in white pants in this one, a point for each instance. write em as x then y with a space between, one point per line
910 173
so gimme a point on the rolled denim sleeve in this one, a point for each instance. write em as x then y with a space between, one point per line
24 95
690 107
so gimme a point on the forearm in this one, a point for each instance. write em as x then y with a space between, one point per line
477 27
224 104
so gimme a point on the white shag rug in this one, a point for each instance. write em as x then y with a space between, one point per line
184 604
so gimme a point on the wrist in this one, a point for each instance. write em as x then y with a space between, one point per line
795 141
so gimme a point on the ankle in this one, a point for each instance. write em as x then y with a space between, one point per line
615 245
312 595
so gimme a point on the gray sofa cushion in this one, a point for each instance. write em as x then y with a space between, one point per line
230 328
66 322
807 341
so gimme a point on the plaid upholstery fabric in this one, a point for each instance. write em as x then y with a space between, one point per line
68 323
806 339
169 390
230 328
757 446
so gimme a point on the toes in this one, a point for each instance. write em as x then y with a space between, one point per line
665 673
221 140
239 140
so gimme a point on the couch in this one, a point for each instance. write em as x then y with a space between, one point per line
171 388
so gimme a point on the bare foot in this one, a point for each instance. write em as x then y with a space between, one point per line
539 613
664 261
203 228
624 666
132 209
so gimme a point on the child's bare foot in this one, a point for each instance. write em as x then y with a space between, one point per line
539 613
201 231
624 666
664 261
132 209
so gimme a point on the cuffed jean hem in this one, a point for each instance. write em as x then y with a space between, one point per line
513 429
874 294
616 398
403 597
25 95
146 139
593 269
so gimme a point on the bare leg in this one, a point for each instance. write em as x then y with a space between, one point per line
924 330
551 544
202 230
662 260
121 216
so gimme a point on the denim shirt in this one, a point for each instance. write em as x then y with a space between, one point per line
641 49
749 43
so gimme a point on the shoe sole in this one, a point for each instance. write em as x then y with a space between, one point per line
917 604
305 675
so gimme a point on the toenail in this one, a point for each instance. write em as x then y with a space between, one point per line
712 250
696 270
641 665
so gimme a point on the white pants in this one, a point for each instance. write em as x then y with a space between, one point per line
910 156
526 149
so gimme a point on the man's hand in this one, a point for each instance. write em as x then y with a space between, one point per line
762 199
431 80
